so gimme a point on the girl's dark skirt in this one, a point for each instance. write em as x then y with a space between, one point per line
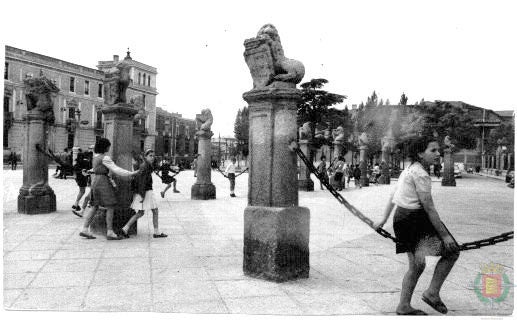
415 232
166 179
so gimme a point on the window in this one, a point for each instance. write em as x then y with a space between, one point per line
87 87
187 131
71 113
149 81
72 84
99 92
6 71
143 80
139 78
143 99
177 133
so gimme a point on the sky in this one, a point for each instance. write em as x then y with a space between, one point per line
435 50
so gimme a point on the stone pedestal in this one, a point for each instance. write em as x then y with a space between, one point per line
385 173
363 166
118 129
385 168
203 189
304 179
337 150
448 169
35 196
276 229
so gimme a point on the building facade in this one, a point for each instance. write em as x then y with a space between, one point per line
80 98
175 136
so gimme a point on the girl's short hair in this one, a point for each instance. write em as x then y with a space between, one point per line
415 145
102 145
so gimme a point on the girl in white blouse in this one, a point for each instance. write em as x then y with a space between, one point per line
418 228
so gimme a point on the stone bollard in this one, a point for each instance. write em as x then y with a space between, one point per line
276 229
338 149
204 189
36 196
363 166
118 122
448 169
304 179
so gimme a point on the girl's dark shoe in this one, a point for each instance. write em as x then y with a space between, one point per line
161 235
123 233
77 213
76 208
87 236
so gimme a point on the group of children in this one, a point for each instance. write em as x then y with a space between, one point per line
340 172
417 225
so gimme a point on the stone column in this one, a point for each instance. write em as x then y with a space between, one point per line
304 179
203 189
35 196
363 166
276 229
338 149
118 129
448 169
387 143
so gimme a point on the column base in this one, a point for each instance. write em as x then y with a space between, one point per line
120 218
276 243
202 191
36 204
306 185
448 182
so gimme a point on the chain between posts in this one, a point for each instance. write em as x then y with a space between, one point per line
221 172
463 247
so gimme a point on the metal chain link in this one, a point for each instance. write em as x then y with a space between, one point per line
463 247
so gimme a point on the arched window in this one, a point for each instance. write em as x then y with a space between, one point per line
139 78
149 81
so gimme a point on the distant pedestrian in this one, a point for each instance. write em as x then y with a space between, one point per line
64 159
230 174
81 178
194 164
418 227
322 170
376 172
339 172
103 193
164 170
13 157
143 197
357 176
348 173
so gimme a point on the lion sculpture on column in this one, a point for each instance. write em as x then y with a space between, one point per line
204 120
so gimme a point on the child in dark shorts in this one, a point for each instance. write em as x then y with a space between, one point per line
418 228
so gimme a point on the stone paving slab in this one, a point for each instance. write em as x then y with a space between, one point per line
198 268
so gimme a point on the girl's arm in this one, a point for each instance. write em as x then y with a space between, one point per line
387 212
116 169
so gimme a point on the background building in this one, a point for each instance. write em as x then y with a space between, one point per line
80 97
175 137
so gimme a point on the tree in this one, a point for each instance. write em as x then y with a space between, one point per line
381 103
315 102
372 100
403 99
387 102
241 130
441 119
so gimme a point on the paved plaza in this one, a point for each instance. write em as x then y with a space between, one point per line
198 268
